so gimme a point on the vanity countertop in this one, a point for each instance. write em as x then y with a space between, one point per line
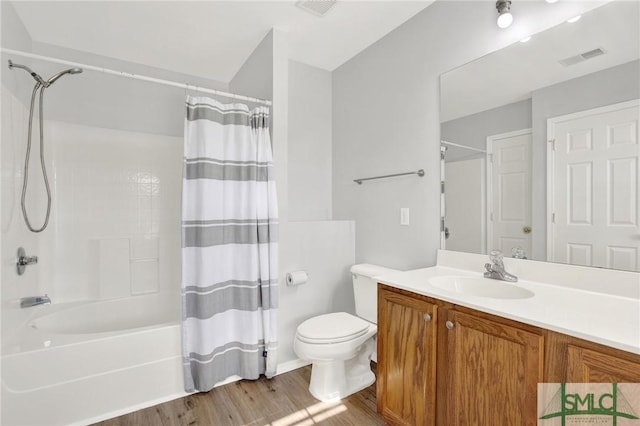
597 316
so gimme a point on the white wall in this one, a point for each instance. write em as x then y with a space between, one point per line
326 250
309 143
386 120
472 130
101 100
255 77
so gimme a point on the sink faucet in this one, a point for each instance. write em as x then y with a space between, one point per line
27 302
495 269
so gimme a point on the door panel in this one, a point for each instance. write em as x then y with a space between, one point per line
510 193
594 180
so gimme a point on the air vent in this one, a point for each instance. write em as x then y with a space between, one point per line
316 7
572 60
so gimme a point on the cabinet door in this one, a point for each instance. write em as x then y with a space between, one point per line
587 366
493 371
406 359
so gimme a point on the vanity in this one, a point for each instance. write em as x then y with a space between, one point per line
451 352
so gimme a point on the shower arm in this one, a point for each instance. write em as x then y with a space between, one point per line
30 71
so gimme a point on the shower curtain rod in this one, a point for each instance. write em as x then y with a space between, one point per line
463 146
137 77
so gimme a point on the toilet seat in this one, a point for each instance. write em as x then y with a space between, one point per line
332 328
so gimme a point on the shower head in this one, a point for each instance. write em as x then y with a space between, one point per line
61 73
30 71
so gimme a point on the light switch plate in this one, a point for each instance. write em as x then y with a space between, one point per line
404 216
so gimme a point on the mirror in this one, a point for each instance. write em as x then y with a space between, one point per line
540 140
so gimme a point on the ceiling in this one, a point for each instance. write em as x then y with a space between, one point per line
211 38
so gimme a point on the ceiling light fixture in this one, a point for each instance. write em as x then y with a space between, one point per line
504 9
574 19
551 1
526 39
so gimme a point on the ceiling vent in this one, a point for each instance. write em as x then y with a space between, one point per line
572 60
316 7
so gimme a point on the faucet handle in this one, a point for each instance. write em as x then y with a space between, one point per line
518 253
496 256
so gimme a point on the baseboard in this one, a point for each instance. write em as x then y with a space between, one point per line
285 367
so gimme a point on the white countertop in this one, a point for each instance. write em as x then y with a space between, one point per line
611 320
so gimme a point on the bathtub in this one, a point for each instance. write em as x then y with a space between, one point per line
80 363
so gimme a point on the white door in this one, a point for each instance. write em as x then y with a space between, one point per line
509 191
593 184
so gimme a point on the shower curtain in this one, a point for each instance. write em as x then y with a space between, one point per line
229 244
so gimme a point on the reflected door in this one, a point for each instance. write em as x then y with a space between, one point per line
593 182
509 191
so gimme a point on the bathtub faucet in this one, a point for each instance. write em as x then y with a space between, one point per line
27 302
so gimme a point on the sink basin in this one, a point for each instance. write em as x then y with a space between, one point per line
481 287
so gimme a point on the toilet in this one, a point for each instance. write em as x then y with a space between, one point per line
340 345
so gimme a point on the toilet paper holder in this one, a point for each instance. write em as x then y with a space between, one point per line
297 278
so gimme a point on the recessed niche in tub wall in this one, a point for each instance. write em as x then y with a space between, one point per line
144 265
125 266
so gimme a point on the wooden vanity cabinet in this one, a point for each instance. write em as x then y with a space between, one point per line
444 364
406 379
492 371
572 360
590 366
486 370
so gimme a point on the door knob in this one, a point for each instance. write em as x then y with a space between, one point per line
427 317
449 324
526 229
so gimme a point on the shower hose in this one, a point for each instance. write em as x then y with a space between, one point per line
42 163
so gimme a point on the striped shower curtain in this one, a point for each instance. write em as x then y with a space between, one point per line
229 244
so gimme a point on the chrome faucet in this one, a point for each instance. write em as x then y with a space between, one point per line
22 261
495 269
27 302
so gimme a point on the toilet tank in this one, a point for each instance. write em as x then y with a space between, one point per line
365 289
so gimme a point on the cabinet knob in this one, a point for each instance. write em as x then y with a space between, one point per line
427 317
449 325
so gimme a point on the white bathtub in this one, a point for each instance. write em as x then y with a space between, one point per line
84 362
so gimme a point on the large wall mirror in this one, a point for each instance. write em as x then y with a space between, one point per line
541 147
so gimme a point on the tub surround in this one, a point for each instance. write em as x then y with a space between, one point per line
597 305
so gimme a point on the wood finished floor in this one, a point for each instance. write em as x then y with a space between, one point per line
282 401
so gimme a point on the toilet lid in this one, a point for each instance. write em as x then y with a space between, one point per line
332 328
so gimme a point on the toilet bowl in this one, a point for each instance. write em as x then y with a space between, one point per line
340 345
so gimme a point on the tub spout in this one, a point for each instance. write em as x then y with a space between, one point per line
27 302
